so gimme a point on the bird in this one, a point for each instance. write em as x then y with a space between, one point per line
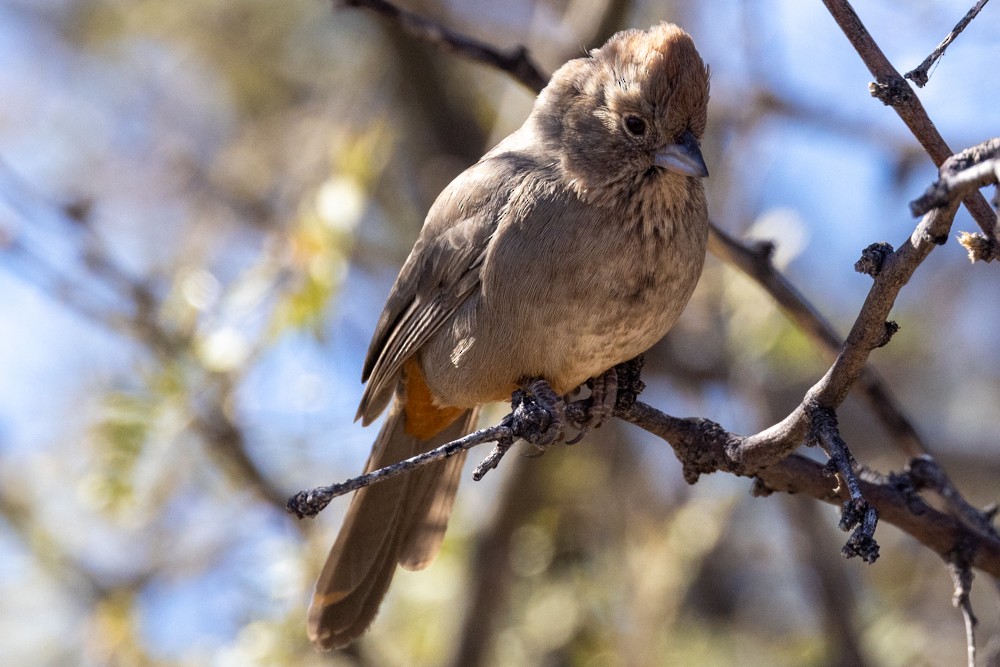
570 247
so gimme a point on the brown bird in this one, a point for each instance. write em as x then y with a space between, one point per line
569 248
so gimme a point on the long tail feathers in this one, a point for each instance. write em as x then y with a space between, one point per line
399 521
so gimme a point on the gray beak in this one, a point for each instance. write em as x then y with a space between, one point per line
684 157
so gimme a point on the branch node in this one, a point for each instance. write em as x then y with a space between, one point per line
919 76
891 91
891 328
936 239
872 258
979 246
961 174
504 444
721 450
308 503
903 484
760 489
861 516
856 513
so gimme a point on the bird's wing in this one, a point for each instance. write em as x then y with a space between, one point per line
441 272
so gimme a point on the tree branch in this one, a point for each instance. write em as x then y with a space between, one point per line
517 62
754 260
960 174
314 501
965 172
893 90
921 73
961 577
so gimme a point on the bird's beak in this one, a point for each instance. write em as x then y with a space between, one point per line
683 157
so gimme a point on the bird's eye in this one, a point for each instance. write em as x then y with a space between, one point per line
635 125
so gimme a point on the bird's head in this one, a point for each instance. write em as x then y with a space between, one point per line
635 109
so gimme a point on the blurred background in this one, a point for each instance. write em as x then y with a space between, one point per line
202 207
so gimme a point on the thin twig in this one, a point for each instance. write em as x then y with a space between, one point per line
968 170
893 90
921 73
964 172
961 577
517 62
528 420
493 459
314 501
925 473
856 513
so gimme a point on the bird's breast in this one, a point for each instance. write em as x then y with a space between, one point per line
569 300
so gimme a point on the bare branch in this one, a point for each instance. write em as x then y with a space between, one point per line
314 501
893 90
896 504
866 335
856 512
703 446
754 260
517 63
528 420
925 473
961 577
964 172
921 73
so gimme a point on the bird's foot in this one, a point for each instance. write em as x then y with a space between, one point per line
542 413
603 398
629 383
540 416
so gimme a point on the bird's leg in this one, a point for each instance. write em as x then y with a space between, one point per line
540 416
547 411
629 383
603 398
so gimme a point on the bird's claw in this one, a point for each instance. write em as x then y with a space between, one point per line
546 414
542 415
603 399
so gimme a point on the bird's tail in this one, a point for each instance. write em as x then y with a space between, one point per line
401 520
